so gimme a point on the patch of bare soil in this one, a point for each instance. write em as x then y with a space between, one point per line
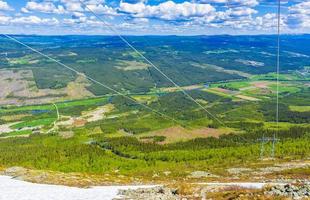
220 69
261 84
177 133
65 121
225 91
248 98
79 122
77 89
66 134
131 65
190 87
98 113
87 116
5 128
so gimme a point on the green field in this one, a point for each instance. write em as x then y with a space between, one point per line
233 85
34 123
300 108
113 136
83 102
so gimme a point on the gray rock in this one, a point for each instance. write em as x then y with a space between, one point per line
156 193
201 174
293 191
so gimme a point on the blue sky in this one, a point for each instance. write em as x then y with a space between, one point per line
162 17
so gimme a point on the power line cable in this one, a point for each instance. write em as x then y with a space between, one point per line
93 80
101 84
274 138
278 72
149 62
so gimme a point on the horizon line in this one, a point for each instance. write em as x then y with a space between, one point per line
137 35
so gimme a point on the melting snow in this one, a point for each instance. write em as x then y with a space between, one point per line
11 189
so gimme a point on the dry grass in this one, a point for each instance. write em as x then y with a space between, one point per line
248 98
230 193
261 84
79 122
18 87
14 118
177 133
77 89
195 192
148 99
174 89
98 113
132 65
83 180
224 91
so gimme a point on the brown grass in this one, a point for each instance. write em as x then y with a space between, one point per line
247 98
261 84
177 133
224 90
79 122
83 180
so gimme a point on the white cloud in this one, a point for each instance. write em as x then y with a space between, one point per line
250 3
213 1
78 15
240 11
140 20
102 9
45 7
240 18
139 15
5 6
72 5
299 15
168 10
233 3
301 8
68 6
268 21
94 2
200 15
82 22
4 20
34 20
69 22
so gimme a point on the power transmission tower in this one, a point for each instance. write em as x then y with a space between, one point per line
274 139
264 140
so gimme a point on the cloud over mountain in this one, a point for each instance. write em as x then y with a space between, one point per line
174 16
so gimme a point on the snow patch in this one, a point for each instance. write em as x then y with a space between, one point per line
20 190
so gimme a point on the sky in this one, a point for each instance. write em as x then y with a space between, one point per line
152 17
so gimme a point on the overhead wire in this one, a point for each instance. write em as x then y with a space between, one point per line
140 54
92 79
150 62
278 72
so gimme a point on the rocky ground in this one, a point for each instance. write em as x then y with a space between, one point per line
197 185
284 191
299 191
156 193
